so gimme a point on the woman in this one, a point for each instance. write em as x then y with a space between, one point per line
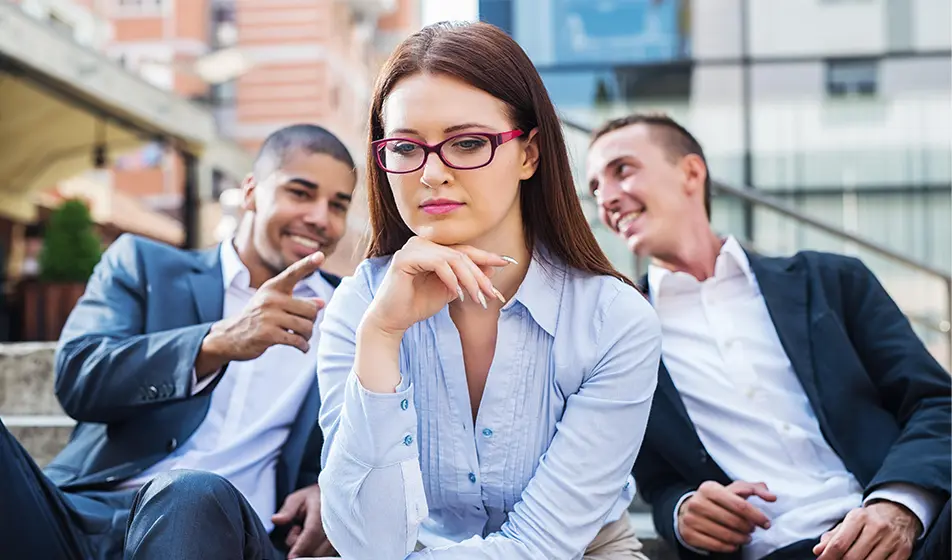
486 374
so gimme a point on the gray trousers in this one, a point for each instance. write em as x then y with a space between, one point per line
183 515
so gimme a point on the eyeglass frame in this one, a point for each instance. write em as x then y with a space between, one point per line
495 140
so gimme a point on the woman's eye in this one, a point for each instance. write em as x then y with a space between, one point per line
470 143
403 148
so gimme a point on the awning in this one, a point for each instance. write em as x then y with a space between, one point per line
113 209
60 100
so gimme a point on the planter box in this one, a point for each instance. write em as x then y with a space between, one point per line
46 306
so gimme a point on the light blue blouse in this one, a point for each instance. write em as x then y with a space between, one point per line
547 463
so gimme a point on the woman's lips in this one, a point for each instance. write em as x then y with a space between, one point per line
441 207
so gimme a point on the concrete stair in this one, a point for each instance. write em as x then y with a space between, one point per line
28 406
30 411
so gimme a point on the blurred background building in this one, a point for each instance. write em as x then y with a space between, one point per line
838 109
151 111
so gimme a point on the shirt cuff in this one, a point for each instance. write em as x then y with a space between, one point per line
922 503
378 429
677 534
199 386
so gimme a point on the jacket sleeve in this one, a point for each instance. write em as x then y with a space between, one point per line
662 487
911 383
107 367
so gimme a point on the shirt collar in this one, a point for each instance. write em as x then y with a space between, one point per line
232 269
235 273
731 258
541 290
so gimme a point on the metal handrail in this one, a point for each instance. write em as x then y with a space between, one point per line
752 196
755 198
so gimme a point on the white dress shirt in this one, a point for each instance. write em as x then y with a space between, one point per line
253 406
724 356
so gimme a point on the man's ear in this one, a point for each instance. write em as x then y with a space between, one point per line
531 161
248 187
695 174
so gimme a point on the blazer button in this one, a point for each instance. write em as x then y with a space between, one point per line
173 443
153 391
704 456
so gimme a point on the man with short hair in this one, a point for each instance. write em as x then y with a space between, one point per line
797 414
192 378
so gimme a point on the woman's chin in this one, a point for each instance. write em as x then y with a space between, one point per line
444 232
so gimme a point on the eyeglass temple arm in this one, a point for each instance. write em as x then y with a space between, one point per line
503 137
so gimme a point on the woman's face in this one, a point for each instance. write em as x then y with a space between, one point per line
446 205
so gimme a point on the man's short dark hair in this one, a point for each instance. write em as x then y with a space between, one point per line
299 138
673 138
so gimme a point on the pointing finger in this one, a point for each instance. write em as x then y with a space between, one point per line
289 277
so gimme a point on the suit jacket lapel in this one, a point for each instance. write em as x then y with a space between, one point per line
784 286
208 292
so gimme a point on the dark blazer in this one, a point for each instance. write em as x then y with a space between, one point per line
882 401
124 368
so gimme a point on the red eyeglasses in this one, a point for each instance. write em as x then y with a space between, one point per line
471 150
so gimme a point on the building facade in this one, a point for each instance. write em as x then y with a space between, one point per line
257 64
838 108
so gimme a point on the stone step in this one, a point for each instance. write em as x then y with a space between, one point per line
26 379
42 436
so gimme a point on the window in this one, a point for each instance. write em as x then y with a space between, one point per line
847 77
139 7
498 13
224 30
140 3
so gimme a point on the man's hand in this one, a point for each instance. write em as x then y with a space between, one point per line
719 519
272 317
880 529
306 537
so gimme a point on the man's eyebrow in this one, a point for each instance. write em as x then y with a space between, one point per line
311 185
304 183
615 162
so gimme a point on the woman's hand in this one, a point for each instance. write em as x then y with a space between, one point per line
424 277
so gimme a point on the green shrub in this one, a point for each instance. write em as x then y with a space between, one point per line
71 245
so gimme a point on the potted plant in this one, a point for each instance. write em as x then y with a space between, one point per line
71 249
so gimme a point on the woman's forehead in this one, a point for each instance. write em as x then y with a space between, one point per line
430 104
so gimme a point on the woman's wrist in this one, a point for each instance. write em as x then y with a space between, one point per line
377 331
377 362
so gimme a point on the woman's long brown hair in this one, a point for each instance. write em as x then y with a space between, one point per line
486 58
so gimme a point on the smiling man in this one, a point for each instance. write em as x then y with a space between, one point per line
192 378
797 414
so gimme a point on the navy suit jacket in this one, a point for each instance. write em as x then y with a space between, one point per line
882 401
124 368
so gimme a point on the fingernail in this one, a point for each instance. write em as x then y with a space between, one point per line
509 260
767 525
499 296
482 300
459 292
